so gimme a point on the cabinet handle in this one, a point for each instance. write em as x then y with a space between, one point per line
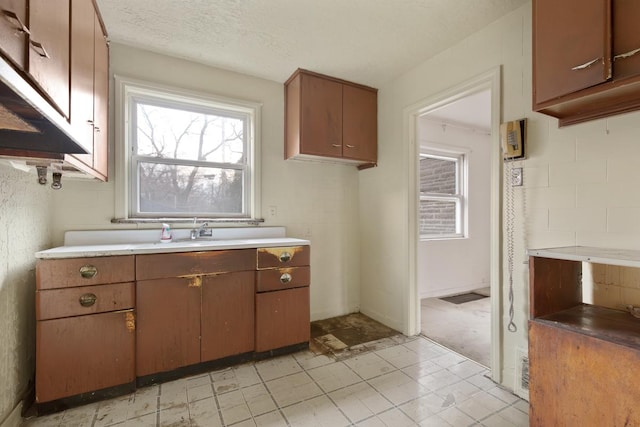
285 278
88 271
87 300
89 121
336 145
626 54
39 48
285 257
586 64
11 16
351 146
96 129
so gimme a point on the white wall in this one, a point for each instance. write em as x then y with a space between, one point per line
453 266
24 230
580 182
318 201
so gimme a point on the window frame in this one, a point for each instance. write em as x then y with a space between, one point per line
460 197
130 91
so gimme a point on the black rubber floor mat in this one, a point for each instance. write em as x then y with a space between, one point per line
462 298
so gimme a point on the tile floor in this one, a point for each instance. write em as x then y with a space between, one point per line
398 382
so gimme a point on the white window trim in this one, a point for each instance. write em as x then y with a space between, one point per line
450 153
125 88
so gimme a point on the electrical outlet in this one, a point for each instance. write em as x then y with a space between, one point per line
273 211
516 177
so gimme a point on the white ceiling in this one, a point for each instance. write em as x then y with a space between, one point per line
367 41
471 111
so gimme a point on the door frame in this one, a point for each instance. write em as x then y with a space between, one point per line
488 80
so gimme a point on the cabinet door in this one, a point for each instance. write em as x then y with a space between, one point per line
101 103
168 327
359 124
571 46
82 54
282 318
49 49
626 38
321 116
577 380
13 36
227 323
81 354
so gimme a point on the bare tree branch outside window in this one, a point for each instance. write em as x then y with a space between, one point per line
190 161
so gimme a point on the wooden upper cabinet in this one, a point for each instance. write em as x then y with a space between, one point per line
329 118
359 131
13 31
49 50
586 58
321 116
82 59
89 88
626 38
101 102
572 46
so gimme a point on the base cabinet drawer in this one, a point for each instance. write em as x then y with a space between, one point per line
282 318
67 302
85 353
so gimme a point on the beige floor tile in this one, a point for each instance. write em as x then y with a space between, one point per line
398 387
276 368
334 376
149 420
293 389
319 411
204 413
424 407
360 401
396 418
369 365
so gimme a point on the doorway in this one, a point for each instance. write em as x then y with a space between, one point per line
444 111
454 210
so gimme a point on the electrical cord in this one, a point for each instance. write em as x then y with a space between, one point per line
510 225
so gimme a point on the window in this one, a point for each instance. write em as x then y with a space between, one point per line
442 195
187 155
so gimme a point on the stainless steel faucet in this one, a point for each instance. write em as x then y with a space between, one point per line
200 231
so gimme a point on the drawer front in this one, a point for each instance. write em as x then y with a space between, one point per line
277 279
65 273
158 266
57 303
283 257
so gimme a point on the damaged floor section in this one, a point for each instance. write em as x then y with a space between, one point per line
346 336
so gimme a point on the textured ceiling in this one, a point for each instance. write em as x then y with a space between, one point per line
368 41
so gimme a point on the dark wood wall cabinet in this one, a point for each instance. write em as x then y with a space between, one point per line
54 56
330 119
586 58
581 356
111 323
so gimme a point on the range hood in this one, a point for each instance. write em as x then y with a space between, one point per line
28 122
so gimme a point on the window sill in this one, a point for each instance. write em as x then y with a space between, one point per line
182 220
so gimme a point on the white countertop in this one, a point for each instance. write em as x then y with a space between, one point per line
621 257
131 242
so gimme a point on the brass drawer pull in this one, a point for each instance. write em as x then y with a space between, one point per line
39 48
285 278
87 300
285 257
88 271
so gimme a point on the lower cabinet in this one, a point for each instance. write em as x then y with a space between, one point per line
183 321
228 313
81 354
282 318
581 380
168 330
107 321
